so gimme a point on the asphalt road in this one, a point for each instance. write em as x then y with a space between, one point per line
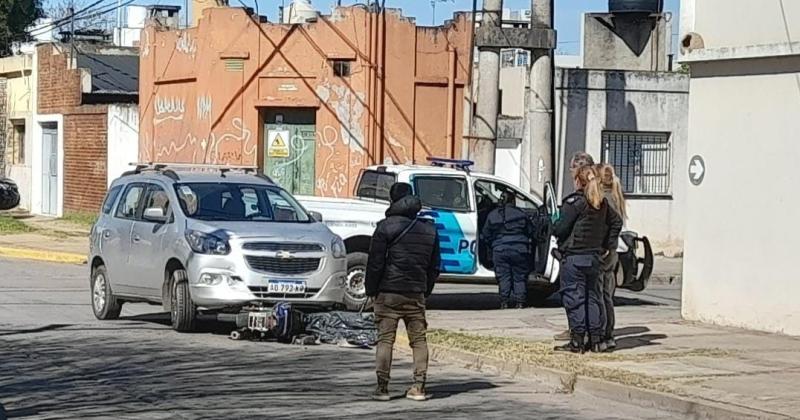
57 361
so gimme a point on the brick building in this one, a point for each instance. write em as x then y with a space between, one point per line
309 103
86 124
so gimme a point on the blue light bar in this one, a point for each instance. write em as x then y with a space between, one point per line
455 163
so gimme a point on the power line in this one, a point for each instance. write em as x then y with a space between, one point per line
90 16
64 20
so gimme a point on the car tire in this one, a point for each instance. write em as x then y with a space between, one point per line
354 287
183 312
104 304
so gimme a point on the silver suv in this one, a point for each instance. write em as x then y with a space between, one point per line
220 242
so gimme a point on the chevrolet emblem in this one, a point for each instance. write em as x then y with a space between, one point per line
284 255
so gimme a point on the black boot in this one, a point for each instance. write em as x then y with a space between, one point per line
575 345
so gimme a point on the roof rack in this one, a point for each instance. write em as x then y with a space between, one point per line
167 169
460 164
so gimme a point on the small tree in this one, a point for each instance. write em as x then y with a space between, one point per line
16 16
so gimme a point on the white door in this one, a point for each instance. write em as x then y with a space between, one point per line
50 171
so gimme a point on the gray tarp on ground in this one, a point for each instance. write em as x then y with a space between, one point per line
335 327
9 195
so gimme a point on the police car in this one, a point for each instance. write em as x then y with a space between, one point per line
459 201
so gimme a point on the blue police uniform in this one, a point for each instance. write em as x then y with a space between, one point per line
508 232
584 235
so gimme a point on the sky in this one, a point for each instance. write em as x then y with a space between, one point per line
568 13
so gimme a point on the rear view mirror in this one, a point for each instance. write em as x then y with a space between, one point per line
155 214
316 216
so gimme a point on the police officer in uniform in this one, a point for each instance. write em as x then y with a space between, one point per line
587 230
508 232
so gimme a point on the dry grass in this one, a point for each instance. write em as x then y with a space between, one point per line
541 354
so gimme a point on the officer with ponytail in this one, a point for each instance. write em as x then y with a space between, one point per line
587 231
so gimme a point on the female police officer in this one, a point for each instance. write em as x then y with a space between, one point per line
587 230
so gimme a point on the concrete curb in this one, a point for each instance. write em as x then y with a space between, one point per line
40 255
570 383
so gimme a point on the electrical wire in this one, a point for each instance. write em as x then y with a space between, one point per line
66 19
91 15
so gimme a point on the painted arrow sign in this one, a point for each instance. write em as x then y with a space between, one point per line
697 169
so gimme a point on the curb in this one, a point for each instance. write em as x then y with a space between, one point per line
40 255
570 383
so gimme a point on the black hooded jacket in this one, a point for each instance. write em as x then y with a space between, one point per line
410 265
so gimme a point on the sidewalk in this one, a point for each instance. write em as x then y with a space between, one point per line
50 240
690 368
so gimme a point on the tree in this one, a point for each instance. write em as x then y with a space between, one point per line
15 18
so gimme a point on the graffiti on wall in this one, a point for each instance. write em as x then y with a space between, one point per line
169 108
186 44
204 107
229 147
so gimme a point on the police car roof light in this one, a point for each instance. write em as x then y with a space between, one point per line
460 164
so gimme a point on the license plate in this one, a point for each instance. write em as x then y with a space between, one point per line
286 287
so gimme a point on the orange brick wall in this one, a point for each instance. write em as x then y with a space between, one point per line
85 130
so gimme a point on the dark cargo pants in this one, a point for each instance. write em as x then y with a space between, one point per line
390 308
609 286
512 267
581 294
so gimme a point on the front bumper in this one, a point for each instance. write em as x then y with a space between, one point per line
242 285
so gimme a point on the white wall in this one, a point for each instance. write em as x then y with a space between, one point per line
741 237
588 102
736 23
507 153
123 139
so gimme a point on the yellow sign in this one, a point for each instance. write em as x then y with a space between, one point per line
277 144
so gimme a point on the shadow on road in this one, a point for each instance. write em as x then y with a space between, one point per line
146 375
644 340
448 390
34 330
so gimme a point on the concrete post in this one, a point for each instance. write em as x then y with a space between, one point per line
540 108
486 110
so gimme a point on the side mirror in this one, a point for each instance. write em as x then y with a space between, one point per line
155 215
316 216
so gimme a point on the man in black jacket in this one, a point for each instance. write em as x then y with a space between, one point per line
402 268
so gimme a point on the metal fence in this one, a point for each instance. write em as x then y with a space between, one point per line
642 160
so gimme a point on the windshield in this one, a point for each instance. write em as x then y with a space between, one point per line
232 202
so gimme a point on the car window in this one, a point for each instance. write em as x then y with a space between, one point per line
129 204
281 208
374 184
239 203
157 198
111 198
441 192
487 193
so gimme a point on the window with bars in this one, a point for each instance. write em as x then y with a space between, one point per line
642 160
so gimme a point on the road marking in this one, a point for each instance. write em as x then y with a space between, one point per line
38 255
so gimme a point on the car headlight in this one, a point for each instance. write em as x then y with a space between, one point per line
337 248
204 243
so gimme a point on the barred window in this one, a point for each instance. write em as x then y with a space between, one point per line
642 160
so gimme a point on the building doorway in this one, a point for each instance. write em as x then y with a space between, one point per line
290 148
50 169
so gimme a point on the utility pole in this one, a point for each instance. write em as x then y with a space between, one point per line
71 22
540 105
484 123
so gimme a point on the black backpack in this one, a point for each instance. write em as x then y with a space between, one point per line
288 322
